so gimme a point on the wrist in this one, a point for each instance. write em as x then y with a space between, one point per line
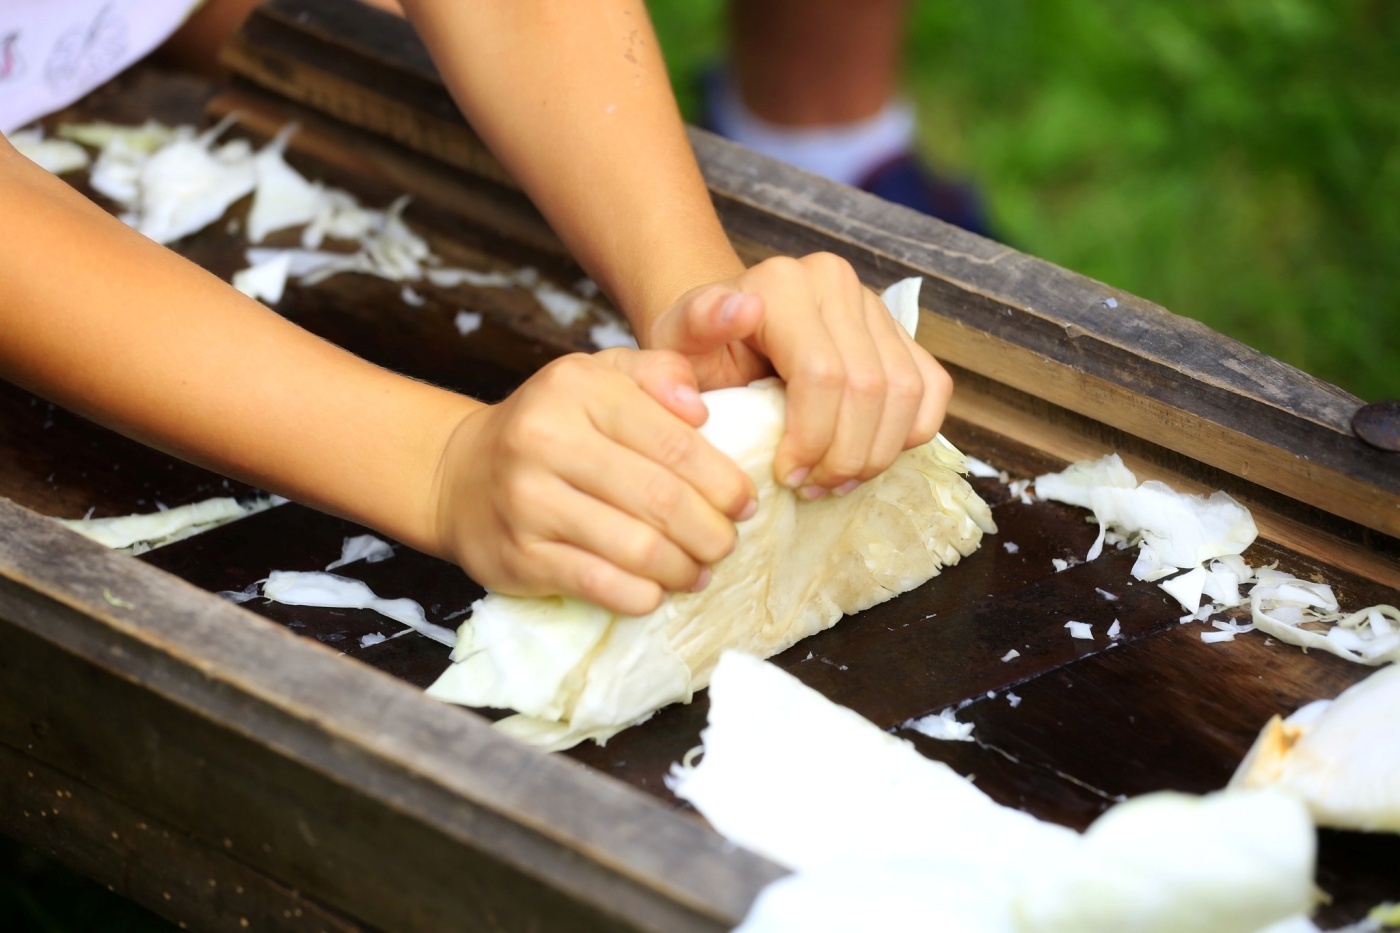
663 289
459 432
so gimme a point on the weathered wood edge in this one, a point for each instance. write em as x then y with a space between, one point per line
598 841
129 851
1039 328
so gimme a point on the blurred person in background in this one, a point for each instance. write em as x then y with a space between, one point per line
815 83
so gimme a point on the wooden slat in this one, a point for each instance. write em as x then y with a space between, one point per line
191 884
339 781
1023 322
407 815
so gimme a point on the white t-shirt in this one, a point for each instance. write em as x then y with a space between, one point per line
52 52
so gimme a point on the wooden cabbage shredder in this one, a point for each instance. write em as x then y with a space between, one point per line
217 763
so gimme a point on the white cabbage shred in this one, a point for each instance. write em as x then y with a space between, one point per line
611 333
1080 630
265 280
58 156
173 182
1340 757
904 843
187 184
1176 531
467 322
283 197
1282 604
365 548
943 726
573 671
144 532
331 591
1205 538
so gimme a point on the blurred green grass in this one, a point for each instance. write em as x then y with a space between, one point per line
1237 162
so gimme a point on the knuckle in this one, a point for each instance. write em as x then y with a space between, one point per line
641 549
879 462
571 373
905 387
594 581
830 265
867 384
824 375
844 466
528 434
663 496
784 268
673 447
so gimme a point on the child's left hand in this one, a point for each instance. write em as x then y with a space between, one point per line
860 390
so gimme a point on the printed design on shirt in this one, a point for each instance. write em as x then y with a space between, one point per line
88 54
11 63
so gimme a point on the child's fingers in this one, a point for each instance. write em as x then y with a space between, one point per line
656 498
707 320
933 404
679 450
815 386
863 401
905 386
665 376
562 568
599 525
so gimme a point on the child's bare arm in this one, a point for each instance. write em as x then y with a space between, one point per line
574 98
110 324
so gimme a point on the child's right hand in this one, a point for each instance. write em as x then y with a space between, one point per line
581 483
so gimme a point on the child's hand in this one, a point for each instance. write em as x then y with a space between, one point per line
860 390
581 483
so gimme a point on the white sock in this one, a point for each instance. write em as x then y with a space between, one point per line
844 152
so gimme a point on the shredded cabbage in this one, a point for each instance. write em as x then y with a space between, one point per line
902 842
573 671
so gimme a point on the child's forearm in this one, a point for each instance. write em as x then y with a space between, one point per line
573 96
126 332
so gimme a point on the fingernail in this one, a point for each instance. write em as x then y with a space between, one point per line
811 492
750 510
702 581
685 395
846 488
730 307
795 478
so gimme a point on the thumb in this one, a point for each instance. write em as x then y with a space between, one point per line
707 319
667 377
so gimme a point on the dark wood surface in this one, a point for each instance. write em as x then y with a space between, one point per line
333 776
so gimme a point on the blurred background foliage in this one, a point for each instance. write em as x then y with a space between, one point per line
1236 161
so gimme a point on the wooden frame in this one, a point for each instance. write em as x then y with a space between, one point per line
230 774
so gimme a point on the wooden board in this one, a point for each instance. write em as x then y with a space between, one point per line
281 754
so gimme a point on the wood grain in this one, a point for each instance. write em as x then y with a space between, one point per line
335 777
159 866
